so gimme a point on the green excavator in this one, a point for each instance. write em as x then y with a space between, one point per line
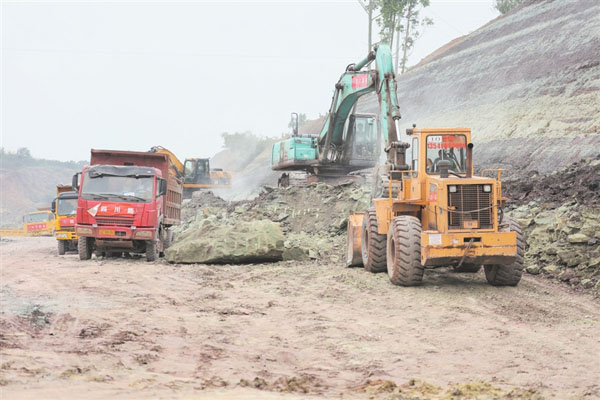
348 142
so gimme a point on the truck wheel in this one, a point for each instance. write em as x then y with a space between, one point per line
84 248
61 247
372 243
404 251
151 250
508 275
467 268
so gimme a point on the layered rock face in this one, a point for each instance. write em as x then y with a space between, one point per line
527 84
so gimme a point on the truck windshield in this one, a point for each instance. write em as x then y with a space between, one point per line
67 207
446 147
37 217
117 188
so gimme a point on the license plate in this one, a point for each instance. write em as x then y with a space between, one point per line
107 232
471 224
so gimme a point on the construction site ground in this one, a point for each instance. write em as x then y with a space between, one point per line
126 328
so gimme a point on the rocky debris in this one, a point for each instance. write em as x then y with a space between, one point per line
218 239
294 223
562 243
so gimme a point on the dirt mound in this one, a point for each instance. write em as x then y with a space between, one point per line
312 220
579 182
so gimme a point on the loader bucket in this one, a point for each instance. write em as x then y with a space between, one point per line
353 245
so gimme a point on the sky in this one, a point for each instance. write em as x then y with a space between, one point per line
77 75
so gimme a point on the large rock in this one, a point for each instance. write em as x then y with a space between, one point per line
219 242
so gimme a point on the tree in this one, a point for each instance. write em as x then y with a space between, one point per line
401 19
505 6
23 152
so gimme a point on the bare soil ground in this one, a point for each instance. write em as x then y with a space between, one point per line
125 328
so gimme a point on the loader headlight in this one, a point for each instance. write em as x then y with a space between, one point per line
487 188
452 189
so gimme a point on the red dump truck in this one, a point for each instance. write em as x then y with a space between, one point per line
127 203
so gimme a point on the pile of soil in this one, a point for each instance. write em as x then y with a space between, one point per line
579 182
312 220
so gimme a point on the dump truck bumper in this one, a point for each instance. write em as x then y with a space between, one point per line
439 249
65 235
116 232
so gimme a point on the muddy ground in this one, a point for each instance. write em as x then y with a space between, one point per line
126 328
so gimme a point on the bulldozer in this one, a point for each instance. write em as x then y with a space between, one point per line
196 173
435 212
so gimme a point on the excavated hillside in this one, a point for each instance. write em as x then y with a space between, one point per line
527 84
28 183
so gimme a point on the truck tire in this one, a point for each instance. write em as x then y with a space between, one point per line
372 244
467 268
404 251
61 247
151 250
508 275
168 239
84 248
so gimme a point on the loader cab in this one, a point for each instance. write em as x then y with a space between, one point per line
196 170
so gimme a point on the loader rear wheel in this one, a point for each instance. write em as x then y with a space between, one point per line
404 251
151 250
372 244
84 247
61 247
508 275
467 268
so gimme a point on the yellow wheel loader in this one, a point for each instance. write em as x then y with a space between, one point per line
435 213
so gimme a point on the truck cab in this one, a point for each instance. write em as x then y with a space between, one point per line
39 223
127 203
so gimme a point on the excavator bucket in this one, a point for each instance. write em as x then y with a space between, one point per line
353 245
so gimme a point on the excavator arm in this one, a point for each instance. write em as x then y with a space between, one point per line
176 164
353 84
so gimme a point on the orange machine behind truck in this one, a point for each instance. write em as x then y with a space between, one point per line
39 223
64 208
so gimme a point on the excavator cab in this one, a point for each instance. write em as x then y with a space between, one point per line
365 143
197 171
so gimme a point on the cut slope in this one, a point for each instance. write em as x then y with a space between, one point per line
527 83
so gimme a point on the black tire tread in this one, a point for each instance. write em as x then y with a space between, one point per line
151 253
83 248
61 247
376 245
405 268
508 275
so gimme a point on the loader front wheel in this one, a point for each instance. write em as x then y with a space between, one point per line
404 251
61 247
508 275
84 247
372 244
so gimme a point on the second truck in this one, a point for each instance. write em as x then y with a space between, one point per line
64 208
